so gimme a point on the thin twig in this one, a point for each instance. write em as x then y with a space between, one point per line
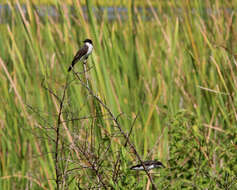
83 118
49 90
117 163
86 76
58 136
93 166
130 132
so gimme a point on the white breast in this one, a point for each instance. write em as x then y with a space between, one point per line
150 167
90 48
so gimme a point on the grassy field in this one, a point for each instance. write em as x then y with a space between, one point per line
158 88
94 2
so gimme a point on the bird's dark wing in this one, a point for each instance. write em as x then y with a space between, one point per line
80 53
149 162
140 165
78 56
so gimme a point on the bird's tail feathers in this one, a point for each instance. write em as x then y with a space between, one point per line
71 66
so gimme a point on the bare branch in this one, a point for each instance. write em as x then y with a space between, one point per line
118 126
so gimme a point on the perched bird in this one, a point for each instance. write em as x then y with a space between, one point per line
82 53
151 164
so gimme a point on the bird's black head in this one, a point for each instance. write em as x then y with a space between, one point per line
88 41
158 164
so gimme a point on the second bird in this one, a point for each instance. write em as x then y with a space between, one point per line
82 53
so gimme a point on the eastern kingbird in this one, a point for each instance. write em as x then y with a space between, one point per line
83 53
151 164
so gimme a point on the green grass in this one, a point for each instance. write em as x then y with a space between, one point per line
176 72
83 2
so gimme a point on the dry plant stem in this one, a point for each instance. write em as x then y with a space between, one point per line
130 132
58 136
117 163
86 76
93 166
115 119
116 167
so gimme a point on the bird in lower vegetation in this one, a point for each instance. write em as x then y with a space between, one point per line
149 165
